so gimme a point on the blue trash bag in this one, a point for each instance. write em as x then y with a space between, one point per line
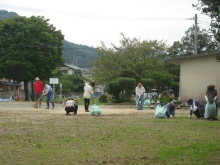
210 111
95 110
160 111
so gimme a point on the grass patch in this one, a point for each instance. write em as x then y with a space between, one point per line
112 139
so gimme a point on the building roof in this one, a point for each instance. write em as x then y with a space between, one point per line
178 59
74 67
11 83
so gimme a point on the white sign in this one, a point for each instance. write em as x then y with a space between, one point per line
54 81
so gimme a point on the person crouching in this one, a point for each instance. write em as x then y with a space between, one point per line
170 111
71 107
197 108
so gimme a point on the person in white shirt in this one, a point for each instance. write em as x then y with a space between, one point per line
197 108
140 90
88 91
71 106
49 92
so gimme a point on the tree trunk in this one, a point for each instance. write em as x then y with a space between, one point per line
26 92
32 91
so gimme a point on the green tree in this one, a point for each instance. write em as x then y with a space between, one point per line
211 8
30 47
206 43
124 85
71 83
141 57
162 80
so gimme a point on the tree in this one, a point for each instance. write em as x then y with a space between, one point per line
141 57
206 43
71 83
162 80
30 47
211 8
124 85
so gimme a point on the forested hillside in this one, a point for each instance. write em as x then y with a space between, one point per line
4 14
80 55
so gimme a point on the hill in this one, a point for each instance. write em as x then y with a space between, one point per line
80 55
5 14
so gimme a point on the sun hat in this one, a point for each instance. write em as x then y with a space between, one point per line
37 78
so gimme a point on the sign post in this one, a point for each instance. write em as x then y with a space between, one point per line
54 81
60 90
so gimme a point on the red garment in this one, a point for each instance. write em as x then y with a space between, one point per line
38 87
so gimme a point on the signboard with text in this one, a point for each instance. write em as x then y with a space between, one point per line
54 81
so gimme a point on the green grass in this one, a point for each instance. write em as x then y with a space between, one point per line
107 139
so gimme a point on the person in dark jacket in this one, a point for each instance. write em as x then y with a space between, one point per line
197 108
170 111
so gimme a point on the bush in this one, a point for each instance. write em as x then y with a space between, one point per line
164 99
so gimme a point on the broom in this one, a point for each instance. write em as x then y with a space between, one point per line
35 105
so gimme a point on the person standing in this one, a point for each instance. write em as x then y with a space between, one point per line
49 92
38 90
71 107
170 109
211 95
88 91
197 108
140 90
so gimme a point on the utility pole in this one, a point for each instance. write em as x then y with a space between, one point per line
75 59
196 40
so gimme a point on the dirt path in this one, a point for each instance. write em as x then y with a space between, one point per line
27 108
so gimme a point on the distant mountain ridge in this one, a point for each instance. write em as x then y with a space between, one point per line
5 14
80 55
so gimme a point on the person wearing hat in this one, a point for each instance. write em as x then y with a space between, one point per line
38 90
197 108
71 106
170 111
49 92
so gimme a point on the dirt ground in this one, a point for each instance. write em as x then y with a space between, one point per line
16 107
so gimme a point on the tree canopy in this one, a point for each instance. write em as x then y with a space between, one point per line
205 43
135 59
212 9
30 47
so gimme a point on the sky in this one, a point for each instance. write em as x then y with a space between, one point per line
90 22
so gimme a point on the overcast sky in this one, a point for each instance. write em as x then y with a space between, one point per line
88 22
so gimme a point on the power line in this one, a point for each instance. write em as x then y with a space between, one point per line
95 16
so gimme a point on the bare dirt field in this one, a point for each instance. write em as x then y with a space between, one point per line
15 107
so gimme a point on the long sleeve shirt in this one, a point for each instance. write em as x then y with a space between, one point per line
88 91
38 87
196 104
140 91
47 88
